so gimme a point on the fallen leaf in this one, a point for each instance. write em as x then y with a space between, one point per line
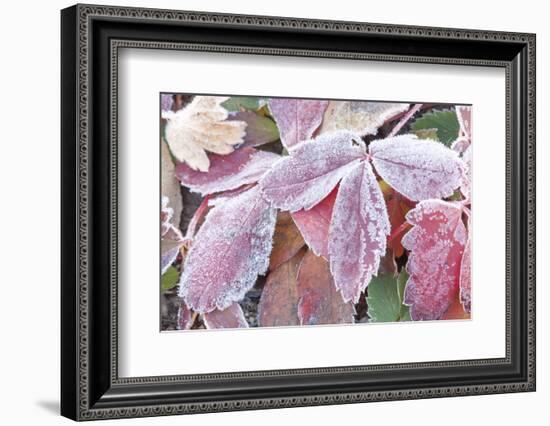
259 129
436 243
240 103
358 231
297 119
227 172
306 176
383 299
278 305
231 317
170 186
199 127
319 302
419 169
363 118
445 123
228 253
287 240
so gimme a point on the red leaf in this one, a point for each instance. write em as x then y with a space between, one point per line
227 172
302 179
230 250
231 317
358 231
466 276
436 243
319 302
314 224
287 240
297 119
419 169
279 301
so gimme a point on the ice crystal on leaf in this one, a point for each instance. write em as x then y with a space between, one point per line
199 127
364 118
465 186
436 243
417 168
227 172
465 273
230 250
231 317
358 231
314 224
297 119
302 179
464 140
319 302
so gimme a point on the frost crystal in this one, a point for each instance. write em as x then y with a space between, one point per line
227 172
297 119
466 182
419 169
358 231
231 317
436 243
230 250
302 179
363 118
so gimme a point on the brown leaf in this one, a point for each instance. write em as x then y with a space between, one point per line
319 302
199 127
279 301
170 186
287 240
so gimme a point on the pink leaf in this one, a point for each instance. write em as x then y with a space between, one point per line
297 119
419 169
464 140
185 317
465 275
465 186
436 243
314 224
230 250
302 179
231 317
227 172
358 231
319 302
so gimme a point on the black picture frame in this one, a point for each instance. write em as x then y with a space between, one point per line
90 38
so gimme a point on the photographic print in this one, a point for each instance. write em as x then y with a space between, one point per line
280 212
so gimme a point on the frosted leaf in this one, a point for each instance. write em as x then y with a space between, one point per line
287 240
170 187
464 140
231 317
166 102
259 128
278 305
466 274
185 317
297 119
319 302
312 170
358 232
364 118
466 182
171 238
227 172
199 127
436 243
314 224
417 168
230 250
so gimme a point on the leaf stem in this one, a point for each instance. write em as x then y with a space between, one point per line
405 119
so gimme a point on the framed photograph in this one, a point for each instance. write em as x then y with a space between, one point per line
263 212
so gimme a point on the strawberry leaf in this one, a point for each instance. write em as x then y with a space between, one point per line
419 169
259 129
314 224
358 231
231 317
297 119
279 300
436 242
302 179
227 172
230 250
287 240
445 122
319 302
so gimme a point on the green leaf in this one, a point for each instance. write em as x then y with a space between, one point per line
426 134
383 299
404 314
169 279
239 103
445 122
